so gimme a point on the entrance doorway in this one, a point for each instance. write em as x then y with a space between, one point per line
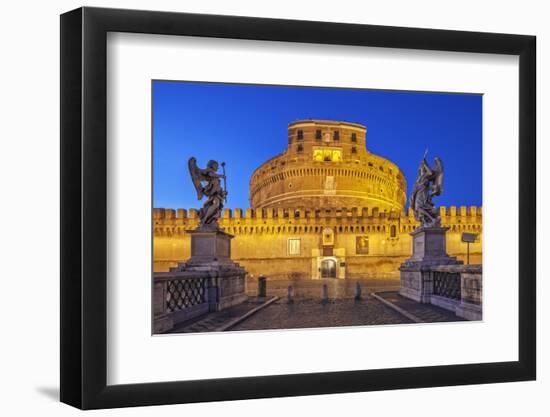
328 268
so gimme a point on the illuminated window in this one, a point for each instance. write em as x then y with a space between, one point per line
318 134
327 154
336 135
300 135
294 246
354 137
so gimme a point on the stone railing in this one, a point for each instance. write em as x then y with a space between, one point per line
187 292
179 297
458 288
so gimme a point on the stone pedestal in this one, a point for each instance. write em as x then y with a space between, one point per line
209 247
211 253
471 289
429 250
209 281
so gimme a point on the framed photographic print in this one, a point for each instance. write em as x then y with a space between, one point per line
257 208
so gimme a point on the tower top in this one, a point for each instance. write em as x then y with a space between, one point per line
328 123
326 164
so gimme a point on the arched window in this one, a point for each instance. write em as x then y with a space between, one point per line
393 231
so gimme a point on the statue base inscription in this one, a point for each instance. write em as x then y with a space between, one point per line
429 250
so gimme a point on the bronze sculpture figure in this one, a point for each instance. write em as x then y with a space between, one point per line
207 183
429 183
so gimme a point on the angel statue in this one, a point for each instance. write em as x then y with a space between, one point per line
207 183
429 183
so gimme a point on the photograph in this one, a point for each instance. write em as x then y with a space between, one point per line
281 207
265 206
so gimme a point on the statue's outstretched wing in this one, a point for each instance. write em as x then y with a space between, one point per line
196 176
438 177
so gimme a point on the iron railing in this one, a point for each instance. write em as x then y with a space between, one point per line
447 284
184 293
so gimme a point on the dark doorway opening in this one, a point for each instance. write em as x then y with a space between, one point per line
328 268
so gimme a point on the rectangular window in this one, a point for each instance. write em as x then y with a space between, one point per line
354 137
300 148
353 149
293 246
336 135
300 135
318 134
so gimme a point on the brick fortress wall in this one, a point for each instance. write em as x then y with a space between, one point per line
369 243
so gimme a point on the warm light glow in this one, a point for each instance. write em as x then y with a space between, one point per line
327 154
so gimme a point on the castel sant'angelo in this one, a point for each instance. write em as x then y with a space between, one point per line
324 208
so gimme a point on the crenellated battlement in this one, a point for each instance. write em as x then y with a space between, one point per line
302 213
168 222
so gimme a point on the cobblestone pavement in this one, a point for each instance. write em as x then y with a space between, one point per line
307 310
337 288
312 313
426 312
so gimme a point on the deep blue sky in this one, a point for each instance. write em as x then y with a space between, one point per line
244 125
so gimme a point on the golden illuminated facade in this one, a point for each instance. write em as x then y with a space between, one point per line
325 208
327 164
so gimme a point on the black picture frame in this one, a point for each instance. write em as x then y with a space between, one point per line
84 207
